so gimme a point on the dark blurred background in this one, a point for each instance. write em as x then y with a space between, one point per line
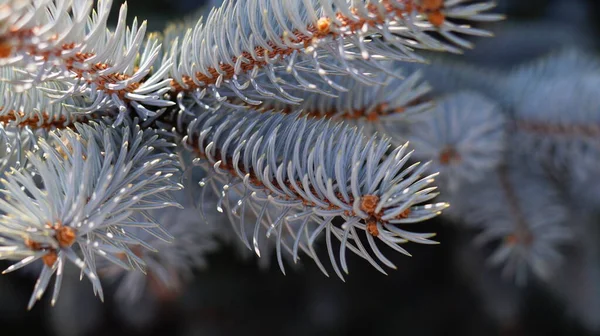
433 293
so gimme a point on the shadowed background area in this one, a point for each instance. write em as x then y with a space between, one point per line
441 290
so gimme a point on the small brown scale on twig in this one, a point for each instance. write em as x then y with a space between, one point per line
5 48
33 245
433 10
50 258
64 235
324 25
368 204
449 155
524 238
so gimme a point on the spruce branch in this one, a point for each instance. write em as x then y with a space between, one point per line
169 264
66 41
277 160
310 40
387 108
527 223
464 136
92 182
541 124
33 108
